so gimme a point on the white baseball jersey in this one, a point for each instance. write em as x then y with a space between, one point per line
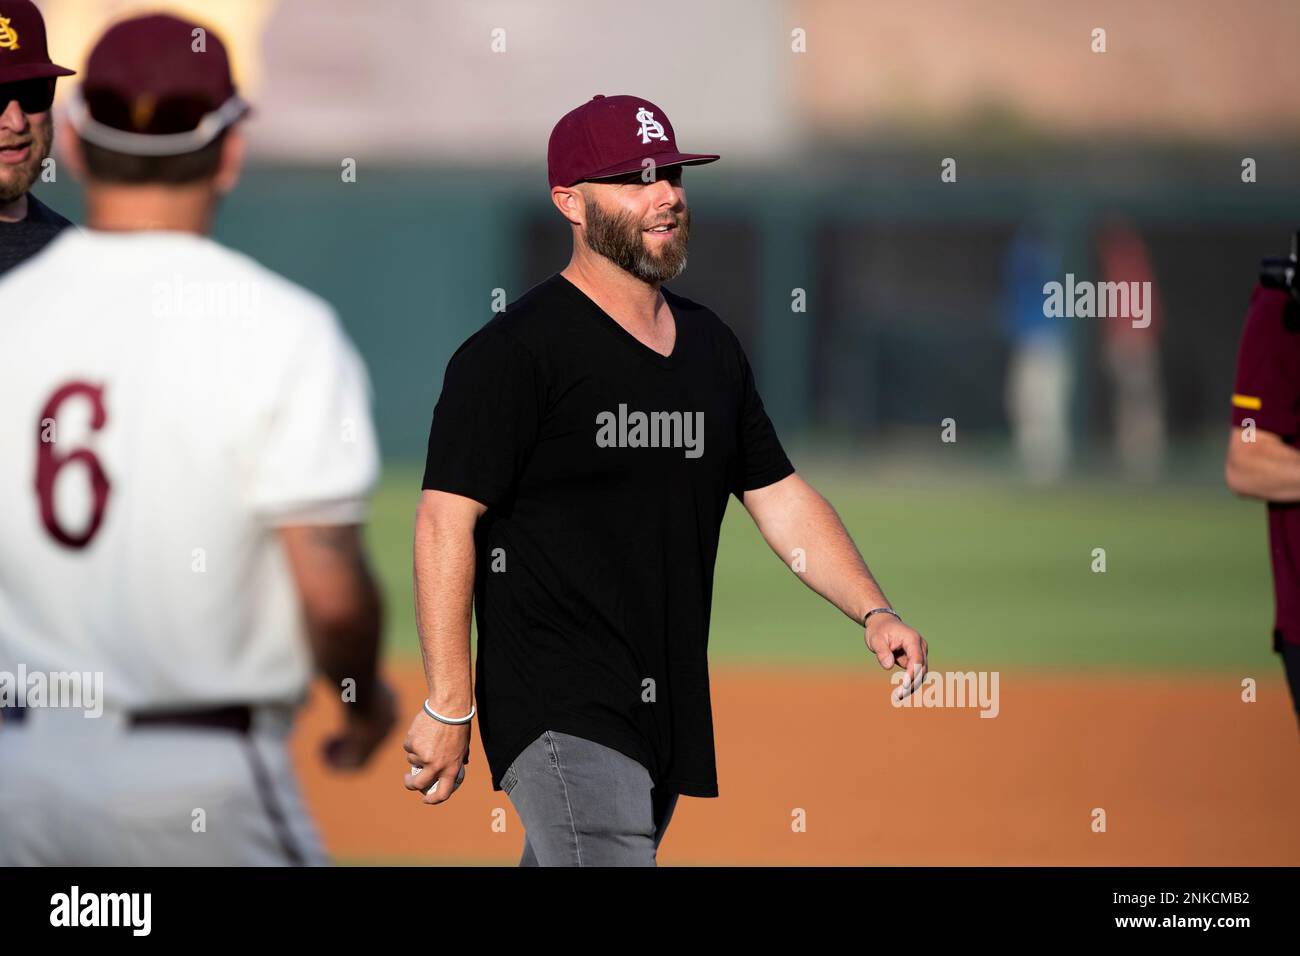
167 404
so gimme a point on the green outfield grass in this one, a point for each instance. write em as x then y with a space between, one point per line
994 574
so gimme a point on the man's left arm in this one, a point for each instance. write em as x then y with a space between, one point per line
791 514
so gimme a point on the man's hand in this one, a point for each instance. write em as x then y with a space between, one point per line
893 642
437 753
364 729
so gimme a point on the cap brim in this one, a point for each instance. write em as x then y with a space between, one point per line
661 160
154 144
33 71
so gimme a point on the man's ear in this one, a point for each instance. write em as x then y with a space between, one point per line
571 202
233 149
69 144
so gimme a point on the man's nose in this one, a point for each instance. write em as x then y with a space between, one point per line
13 117
663 193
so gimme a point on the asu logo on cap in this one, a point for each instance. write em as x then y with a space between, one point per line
651 128
24 54
8 35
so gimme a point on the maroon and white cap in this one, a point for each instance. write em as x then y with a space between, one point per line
156 86
24 54
612 136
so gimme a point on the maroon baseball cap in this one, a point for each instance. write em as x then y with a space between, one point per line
23 51
611 136
156 86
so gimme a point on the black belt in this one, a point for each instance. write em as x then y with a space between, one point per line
237 718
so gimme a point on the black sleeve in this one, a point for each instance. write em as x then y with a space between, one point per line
486 421
762 459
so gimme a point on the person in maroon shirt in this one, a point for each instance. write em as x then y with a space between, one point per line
1263 460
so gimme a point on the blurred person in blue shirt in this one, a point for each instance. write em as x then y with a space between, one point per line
1039 373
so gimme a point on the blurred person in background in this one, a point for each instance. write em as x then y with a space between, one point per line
1132 354
1263 462
27 78
1039 375
181 509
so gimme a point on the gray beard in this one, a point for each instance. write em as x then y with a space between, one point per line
9 192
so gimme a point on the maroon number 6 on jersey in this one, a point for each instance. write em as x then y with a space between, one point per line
48 463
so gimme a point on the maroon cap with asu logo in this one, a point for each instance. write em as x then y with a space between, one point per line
156 86
612 136
23 51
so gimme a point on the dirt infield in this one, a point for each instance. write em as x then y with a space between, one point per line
1186 773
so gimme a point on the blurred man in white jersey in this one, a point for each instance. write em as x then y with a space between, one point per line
186 466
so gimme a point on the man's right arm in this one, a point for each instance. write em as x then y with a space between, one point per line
1266 468
444 599
444 596
484 426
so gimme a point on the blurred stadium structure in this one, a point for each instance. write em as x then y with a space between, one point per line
830 180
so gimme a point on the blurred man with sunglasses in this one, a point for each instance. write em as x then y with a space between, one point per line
27 79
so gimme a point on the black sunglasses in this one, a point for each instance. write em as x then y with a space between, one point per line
33 96
671 173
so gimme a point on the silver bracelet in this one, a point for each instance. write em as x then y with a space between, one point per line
881 610
884 610
449 720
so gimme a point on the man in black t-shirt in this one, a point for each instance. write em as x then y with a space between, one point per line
27 79
580 460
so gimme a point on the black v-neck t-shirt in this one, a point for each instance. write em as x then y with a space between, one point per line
606 468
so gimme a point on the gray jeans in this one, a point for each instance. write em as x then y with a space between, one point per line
585 804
